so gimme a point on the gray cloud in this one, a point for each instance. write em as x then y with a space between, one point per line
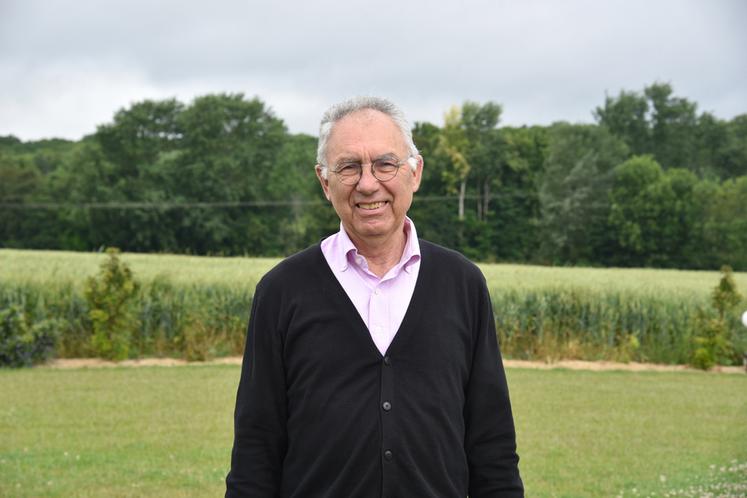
66 66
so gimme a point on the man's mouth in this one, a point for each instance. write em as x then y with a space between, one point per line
371 205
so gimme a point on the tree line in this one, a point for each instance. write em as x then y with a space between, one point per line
652 182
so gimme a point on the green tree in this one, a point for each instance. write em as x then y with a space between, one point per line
515 218
20 182
230 147
139 134
626 116
574 193
307 217
486 155
724 224
486 151
732 151
673 127
88 177
434 214
717 337
454 144
651 213
109 295
118 164
658 123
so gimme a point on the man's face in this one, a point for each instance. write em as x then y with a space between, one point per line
371 211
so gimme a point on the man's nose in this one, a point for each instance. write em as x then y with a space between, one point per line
367 182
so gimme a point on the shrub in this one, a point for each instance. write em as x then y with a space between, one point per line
725 296
714 340
23 343
712 345
109 295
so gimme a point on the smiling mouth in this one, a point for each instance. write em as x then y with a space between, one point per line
371 205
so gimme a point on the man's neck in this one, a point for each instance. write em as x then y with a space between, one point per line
382 255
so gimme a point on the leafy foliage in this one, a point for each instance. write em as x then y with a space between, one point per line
725 296
574 192
222 175
717 335
23 343
109 295
652 212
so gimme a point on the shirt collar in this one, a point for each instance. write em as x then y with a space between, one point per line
349 252
411 254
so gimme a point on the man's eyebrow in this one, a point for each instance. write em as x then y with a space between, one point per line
356 159
387 156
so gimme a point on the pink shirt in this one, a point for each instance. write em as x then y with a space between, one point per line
381 302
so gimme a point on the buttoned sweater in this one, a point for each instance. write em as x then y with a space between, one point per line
320 412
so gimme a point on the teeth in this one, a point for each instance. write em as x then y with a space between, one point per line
372 205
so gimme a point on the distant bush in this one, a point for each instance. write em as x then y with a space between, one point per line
109 295
23 343
718 336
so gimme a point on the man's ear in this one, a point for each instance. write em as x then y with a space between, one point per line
417 173
322 180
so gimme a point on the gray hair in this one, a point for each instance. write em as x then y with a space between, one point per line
350 106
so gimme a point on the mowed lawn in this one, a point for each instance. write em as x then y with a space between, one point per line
166 431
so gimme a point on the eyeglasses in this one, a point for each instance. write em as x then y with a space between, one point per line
383 169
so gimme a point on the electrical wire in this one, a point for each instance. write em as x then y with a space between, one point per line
19 206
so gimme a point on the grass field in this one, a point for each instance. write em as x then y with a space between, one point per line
59 267
196 307
166 432
65 268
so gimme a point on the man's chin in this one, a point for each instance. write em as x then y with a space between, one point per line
374 230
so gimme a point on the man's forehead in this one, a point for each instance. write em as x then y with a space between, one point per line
367 128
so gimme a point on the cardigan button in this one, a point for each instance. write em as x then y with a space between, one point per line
388 455
386 406
387 361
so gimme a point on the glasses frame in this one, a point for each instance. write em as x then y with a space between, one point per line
349 180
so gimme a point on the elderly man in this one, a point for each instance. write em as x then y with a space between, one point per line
371 366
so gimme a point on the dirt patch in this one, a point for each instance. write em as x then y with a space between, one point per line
236 360
610 365
144 362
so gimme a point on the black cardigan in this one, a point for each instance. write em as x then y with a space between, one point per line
321 413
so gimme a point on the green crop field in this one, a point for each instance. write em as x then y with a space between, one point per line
72 268
167 432
196 307
59 268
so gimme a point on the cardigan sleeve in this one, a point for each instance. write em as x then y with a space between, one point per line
260 436
490 437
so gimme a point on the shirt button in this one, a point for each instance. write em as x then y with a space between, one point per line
387 361
376 291
388 455
386 406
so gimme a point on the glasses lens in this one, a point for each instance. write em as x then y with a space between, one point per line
385 169
349 173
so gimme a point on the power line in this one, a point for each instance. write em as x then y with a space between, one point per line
153 205
199 205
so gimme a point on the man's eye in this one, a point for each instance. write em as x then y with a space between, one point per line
386 166
349 169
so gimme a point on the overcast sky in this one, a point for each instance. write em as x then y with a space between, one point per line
67 66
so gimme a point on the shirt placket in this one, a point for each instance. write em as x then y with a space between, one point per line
377 316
